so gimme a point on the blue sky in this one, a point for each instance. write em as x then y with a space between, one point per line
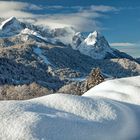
118 20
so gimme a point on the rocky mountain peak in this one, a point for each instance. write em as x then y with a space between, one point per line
95 46
11 26
92 38
8 22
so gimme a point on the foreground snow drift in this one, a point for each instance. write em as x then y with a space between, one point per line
69 117
124 89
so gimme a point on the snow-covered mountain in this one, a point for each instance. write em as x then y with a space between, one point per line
11 26
52 58
96 46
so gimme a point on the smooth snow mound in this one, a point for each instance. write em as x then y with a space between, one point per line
70 117
124 89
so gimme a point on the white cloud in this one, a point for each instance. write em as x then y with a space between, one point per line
10 5
34 7
103 8
52 7
129 48
81 18
122 44
18 14
17 9
84 19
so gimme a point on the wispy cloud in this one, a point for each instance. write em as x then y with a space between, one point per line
129 48
52 7
82 21
5 5
83 18
18 9
103 8
122 44
79 17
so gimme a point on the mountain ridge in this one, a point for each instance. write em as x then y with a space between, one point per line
28 54
94 45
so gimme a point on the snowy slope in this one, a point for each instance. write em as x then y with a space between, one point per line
26 33
67 117
13 26
39 52
124 89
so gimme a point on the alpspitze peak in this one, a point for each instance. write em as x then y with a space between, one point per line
12 18
8 21
11 26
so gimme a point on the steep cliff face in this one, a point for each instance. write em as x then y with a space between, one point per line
95 46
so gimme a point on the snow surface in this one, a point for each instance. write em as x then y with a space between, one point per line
124 90
93 116
92 38
39 52
28 31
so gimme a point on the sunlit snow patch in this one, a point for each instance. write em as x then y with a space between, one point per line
39 52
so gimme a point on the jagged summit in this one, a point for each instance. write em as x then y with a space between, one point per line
95 46
10 21
11 26
92 38
5 22
95 34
